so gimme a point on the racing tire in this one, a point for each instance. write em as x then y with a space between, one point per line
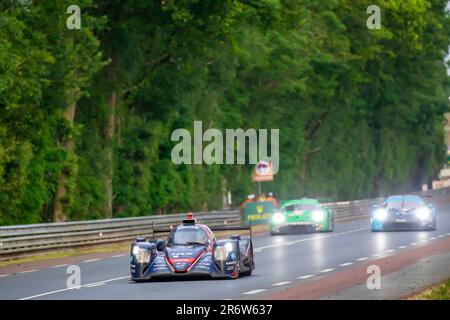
252 266
248 261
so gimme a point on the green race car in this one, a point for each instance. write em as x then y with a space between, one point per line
301 216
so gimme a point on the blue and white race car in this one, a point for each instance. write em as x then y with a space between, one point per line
192 250
403 212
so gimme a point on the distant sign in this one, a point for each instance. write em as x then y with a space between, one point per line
258 212
263 172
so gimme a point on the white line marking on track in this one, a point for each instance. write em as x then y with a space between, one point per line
304 239
362 259
269 246
27 271
390 250
305 277
281 283
118 256
447 234
346 264
59 266
413 243
91 260
433 238
67 289
3 275
255 291
377 254
440 236
94 285
326 270
401 247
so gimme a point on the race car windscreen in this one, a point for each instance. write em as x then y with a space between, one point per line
187 236
403 202
300 207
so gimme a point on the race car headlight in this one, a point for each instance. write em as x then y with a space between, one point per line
141 255
228 247
423 213
221 252
278 217
380 214
318 215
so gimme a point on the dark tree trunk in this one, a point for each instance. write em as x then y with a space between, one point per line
61 189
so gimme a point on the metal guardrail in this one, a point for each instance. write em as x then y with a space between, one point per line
30 238
26 239
349 210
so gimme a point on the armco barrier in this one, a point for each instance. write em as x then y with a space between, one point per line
349 210
26 239
15 240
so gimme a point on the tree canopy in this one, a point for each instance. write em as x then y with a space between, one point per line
86 115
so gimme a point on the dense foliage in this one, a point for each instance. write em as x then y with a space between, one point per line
86 115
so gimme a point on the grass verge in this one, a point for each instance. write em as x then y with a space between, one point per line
438 292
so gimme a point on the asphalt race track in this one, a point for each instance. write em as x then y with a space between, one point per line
282 262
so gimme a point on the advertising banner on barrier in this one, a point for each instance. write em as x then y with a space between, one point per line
259 212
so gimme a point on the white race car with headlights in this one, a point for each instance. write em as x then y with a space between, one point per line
301 216
403 212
